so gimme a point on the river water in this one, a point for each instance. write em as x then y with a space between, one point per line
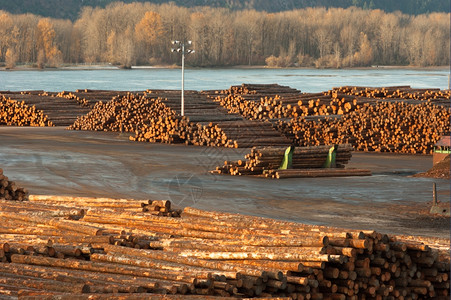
306 80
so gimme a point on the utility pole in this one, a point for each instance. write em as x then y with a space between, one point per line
181 49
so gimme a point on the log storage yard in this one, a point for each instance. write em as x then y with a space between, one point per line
256 191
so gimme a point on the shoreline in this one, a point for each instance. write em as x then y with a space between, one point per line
76 67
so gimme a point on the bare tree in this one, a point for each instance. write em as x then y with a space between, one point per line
141 32
6 25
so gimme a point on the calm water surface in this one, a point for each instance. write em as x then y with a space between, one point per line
306 80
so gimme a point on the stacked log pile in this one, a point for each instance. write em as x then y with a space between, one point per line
382 127
272 101
316 117
151 120
220 125
258 101
277 102
42 107
155 119
109 249
9 189
306 162
84 97
88 97
130 113
17 113
396 92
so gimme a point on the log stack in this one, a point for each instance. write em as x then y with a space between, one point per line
383 127
396 92
89 97
10 191
46 107
17 113
122 113
272 101
151 120
258 101
316 116
156 120
61 246
306 162
217 126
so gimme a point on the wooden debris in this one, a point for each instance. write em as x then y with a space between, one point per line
161 208
10 191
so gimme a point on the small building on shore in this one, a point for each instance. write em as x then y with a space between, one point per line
441 149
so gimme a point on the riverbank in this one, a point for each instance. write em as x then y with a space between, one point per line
107 66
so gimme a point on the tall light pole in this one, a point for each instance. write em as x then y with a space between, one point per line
181 48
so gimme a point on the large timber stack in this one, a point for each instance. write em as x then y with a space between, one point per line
231 128
382 127
154 117
65 247
384 119
151 120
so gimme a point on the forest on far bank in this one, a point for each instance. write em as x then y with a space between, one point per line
141 34
70 9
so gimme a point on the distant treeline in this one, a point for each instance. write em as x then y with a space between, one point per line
141 33
70 9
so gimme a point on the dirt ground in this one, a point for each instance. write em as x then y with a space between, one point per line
60 162
439 170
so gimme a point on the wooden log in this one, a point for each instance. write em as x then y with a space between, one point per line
102 267
175 258
42 284
320 173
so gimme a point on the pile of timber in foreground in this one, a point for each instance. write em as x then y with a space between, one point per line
74 248
306 162
9 189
